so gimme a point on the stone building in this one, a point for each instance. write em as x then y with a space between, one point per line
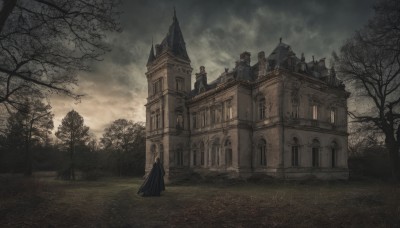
281 116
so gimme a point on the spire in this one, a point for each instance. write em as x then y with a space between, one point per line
174 40
151 55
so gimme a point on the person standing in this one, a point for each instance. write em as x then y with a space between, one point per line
153 185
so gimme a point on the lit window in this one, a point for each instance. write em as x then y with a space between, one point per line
315 112
333 116
228 110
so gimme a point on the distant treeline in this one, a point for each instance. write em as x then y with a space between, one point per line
26 145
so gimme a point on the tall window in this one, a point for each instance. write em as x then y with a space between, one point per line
333 154
212 113
202 153
262 152
194 118
261 108
153 151
158 119
228 153
295 111
315 112
179 84
333 116
228 112
295 152
157 86
315 153
152 121
215 153
203 118
179 156
194 155
179 121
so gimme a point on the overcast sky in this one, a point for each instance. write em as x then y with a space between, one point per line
215 32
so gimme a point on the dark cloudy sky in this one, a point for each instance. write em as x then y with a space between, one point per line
215 32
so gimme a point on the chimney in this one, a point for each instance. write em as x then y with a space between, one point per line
262 68
245 57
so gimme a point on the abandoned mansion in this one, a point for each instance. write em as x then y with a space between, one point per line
281 115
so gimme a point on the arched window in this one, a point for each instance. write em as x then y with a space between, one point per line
202 153
179 155
261 109
315 153
228 153
334 149
262 152
295 152
194 155
215 153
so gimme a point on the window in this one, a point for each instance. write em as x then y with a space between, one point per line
194 118
202 153
203 118
228 112
333 116
333 154
179 121
215 153
262 146
153 151
228 153
179 84
157 86
179 156
194 155
152 121
158 119
212 112
295 152
261 108
295 111
315 112
315 153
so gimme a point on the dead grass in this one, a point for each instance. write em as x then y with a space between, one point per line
45 202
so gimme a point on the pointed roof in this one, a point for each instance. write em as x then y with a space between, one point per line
152 57
174 40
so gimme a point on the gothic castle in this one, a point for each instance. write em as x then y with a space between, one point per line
281 116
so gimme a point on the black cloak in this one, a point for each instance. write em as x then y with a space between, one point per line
154 182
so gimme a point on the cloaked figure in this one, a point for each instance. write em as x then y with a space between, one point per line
154 182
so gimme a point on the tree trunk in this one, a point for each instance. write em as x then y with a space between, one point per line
8 7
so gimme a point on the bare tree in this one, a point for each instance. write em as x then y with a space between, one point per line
369 62
72 132
44 43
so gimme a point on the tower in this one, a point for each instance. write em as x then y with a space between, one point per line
167 121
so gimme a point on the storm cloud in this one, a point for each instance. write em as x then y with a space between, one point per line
215 34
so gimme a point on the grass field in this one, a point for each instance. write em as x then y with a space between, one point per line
46 202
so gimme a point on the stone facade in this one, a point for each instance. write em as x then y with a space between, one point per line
281 116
